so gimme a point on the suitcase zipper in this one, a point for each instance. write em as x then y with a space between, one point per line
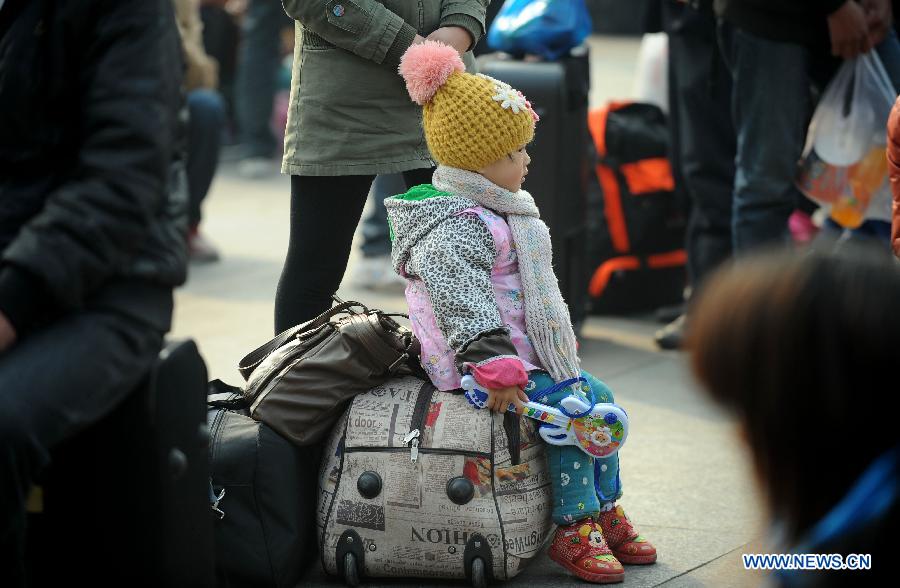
215 499
422 450
417 424
412 438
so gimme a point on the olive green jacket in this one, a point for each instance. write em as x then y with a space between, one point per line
350 113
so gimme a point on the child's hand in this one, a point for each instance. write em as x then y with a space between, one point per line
498 400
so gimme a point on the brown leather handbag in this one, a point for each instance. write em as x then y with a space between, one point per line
300 382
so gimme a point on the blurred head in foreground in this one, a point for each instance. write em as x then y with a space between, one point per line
803 350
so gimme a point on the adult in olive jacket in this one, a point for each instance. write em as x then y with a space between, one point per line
351 118
91 225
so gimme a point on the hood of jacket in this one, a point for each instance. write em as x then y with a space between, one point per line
416 213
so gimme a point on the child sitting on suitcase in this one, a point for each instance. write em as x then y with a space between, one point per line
482 295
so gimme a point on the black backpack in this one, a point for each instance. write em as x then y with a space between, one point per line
638 219
263 492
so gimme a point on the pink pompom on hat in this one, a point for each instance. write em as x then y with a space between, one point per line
426 67
469 120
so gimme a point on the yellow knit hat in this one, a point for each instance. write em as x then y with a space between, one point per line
470 120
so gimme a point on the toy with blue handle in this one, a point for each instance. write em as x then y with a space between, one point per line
598 429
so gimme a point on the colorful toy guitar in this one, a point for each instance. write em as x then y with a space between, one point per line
599 429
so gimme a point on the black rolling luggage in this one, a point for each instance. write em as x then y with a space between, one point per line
559 170
263 494
125 501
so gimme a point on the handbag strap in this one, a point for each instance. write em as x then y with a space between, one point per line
256 357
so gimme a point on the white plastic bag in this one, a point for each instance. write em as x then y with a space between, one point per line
844 167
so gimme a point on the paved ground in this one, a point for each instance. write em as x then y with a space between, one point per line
685 481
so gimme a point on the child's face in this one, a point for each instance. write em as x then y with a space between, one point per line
509 171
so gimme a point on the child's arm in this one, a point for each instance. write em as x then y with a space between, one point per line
454 261
363 27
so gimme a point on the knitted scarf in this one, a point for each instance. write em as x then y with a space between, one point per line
546 314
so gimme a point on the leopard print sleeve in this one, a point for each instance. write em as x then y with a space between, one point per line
454 261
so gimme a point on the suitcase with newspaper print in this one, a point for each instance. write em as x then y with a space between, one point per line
418 483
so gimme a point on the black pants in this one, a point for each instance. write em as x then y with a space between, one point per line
207 117
53 384
375 232
325 211
700 98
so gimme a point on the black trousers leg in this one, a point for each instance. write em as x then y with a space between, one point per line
324 215
414 177
706 138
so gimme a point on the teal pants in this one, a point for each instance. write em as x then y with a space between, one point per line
572 471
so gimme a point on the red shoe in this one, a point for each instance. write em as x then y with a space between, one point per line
625 542
581 549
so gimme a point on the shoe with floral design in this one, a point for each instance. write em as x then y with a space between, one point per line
626 543
581 549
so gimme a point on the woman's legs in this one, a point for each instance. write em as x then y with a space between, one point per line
324 214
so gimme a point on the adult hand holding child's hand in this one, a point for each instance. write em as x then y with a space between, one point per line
500 398
457 37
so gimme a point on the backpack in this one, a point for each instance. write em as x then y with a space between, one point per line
639 220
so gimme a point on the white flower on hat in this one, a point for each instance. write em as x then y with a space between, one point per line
509 98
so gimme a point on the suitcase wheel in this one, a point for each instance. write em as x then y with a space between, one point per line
479 575
351 571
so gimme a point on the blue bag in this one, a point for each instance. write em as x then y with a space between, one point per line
549 28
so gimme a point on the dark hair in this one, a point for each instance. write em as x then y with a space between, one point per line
803 349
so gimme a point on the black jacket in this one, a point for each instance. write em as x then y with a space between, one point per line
92 196
792 21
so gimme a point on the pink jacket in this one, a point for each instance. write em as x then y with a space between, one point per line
438 358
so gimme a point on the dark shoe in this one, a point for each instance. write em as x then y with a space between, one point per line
672 335
667 314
